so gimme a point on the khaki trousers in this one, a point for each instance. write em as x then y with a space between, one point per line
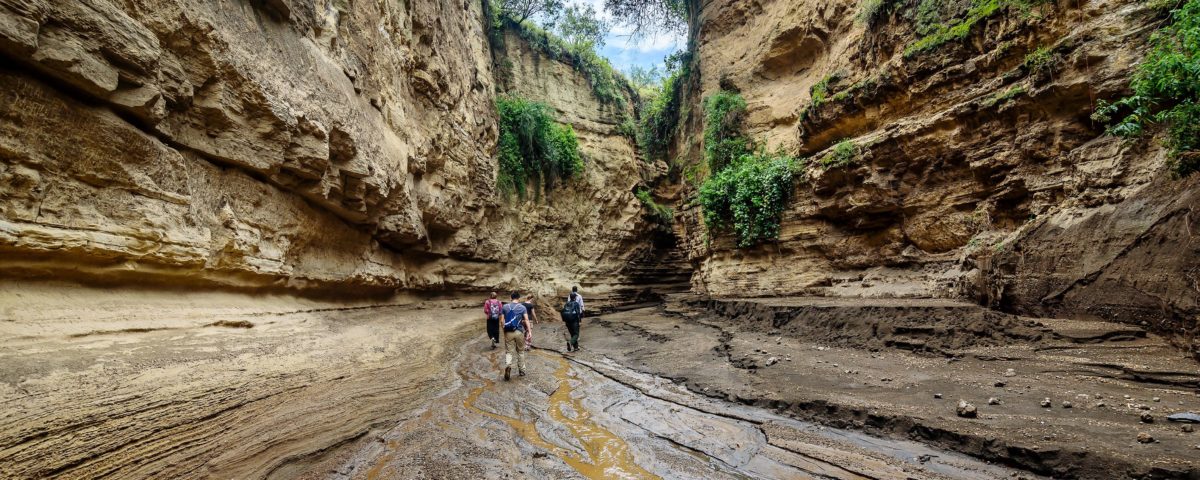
514 344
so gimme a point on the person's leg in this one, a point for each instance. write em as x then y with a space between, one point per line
493 329
520 353
574 329
512 347
567 333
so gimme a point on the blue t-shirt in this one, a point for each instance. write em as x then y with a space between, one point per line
514 312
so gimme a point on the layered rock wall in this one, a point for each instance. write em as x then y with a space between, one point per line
977 171
293 144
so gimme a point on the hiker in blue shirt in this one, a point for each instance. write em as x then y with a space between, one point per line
516 323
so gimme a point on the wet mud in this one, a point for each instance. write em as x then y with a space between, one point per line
586 416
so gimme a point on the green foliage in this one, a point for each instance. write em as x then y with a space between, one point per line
845 153
723 141
581 28
1005 96
645 79
937 34
749 196
1166 90
521 10
533 147
607 84
661 215
820 90
646 17
661 109
1041 60
628 128
940 22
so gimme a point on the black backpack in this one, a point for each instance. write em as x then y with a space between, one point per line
572 310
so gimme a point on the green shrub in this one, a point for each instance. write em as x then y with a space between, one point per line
749 196
846 152
661 113
820 90
723 140
1005 96
1040 60
938 34
660 215
1166 90
533 148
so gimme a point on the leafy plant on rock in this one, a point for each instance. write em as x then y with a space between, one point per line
1166 91
533 148
749 197
723 141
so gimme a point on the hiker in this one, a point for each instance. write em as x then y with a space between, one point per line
491 315
530 307
516 323
575 292
572 312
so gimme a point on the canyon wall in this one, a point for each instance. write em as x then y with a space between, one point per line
975 172
291 144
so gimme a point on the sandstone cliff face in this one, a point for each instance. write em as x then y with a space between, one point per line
976 174
288 143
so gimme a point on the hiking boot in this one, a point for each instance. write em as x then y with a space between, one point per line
507 371
521 373
568 346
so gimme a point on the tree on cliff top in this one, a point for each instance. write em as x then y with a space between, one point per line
581 28
646 17
521 10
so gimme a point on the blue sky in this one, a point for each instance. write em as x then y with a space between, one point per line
623 51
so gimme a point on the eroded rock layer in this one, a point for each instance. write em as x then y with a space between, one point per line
294 144
977 171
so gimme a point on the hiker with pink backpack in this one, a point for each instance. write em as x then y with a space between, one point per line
491 315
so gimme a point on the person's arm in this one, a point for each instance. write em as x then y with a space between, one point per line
528 327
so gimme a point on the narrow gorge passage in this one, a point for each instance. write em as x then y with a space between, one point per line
880 239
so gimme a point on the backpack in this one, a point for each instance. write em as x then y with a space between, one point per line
572 310
493 309
513 317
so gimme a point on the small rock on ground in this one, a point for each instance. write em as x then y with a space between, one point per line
966 410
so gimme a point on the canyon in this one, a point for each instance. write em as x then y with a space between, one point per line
250 238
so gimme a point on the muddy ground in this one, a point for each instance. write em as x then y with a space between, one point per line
175 384
899 368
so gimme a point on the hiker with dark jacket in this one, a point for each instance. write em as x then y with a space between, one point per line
491 315
572 313
516 323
